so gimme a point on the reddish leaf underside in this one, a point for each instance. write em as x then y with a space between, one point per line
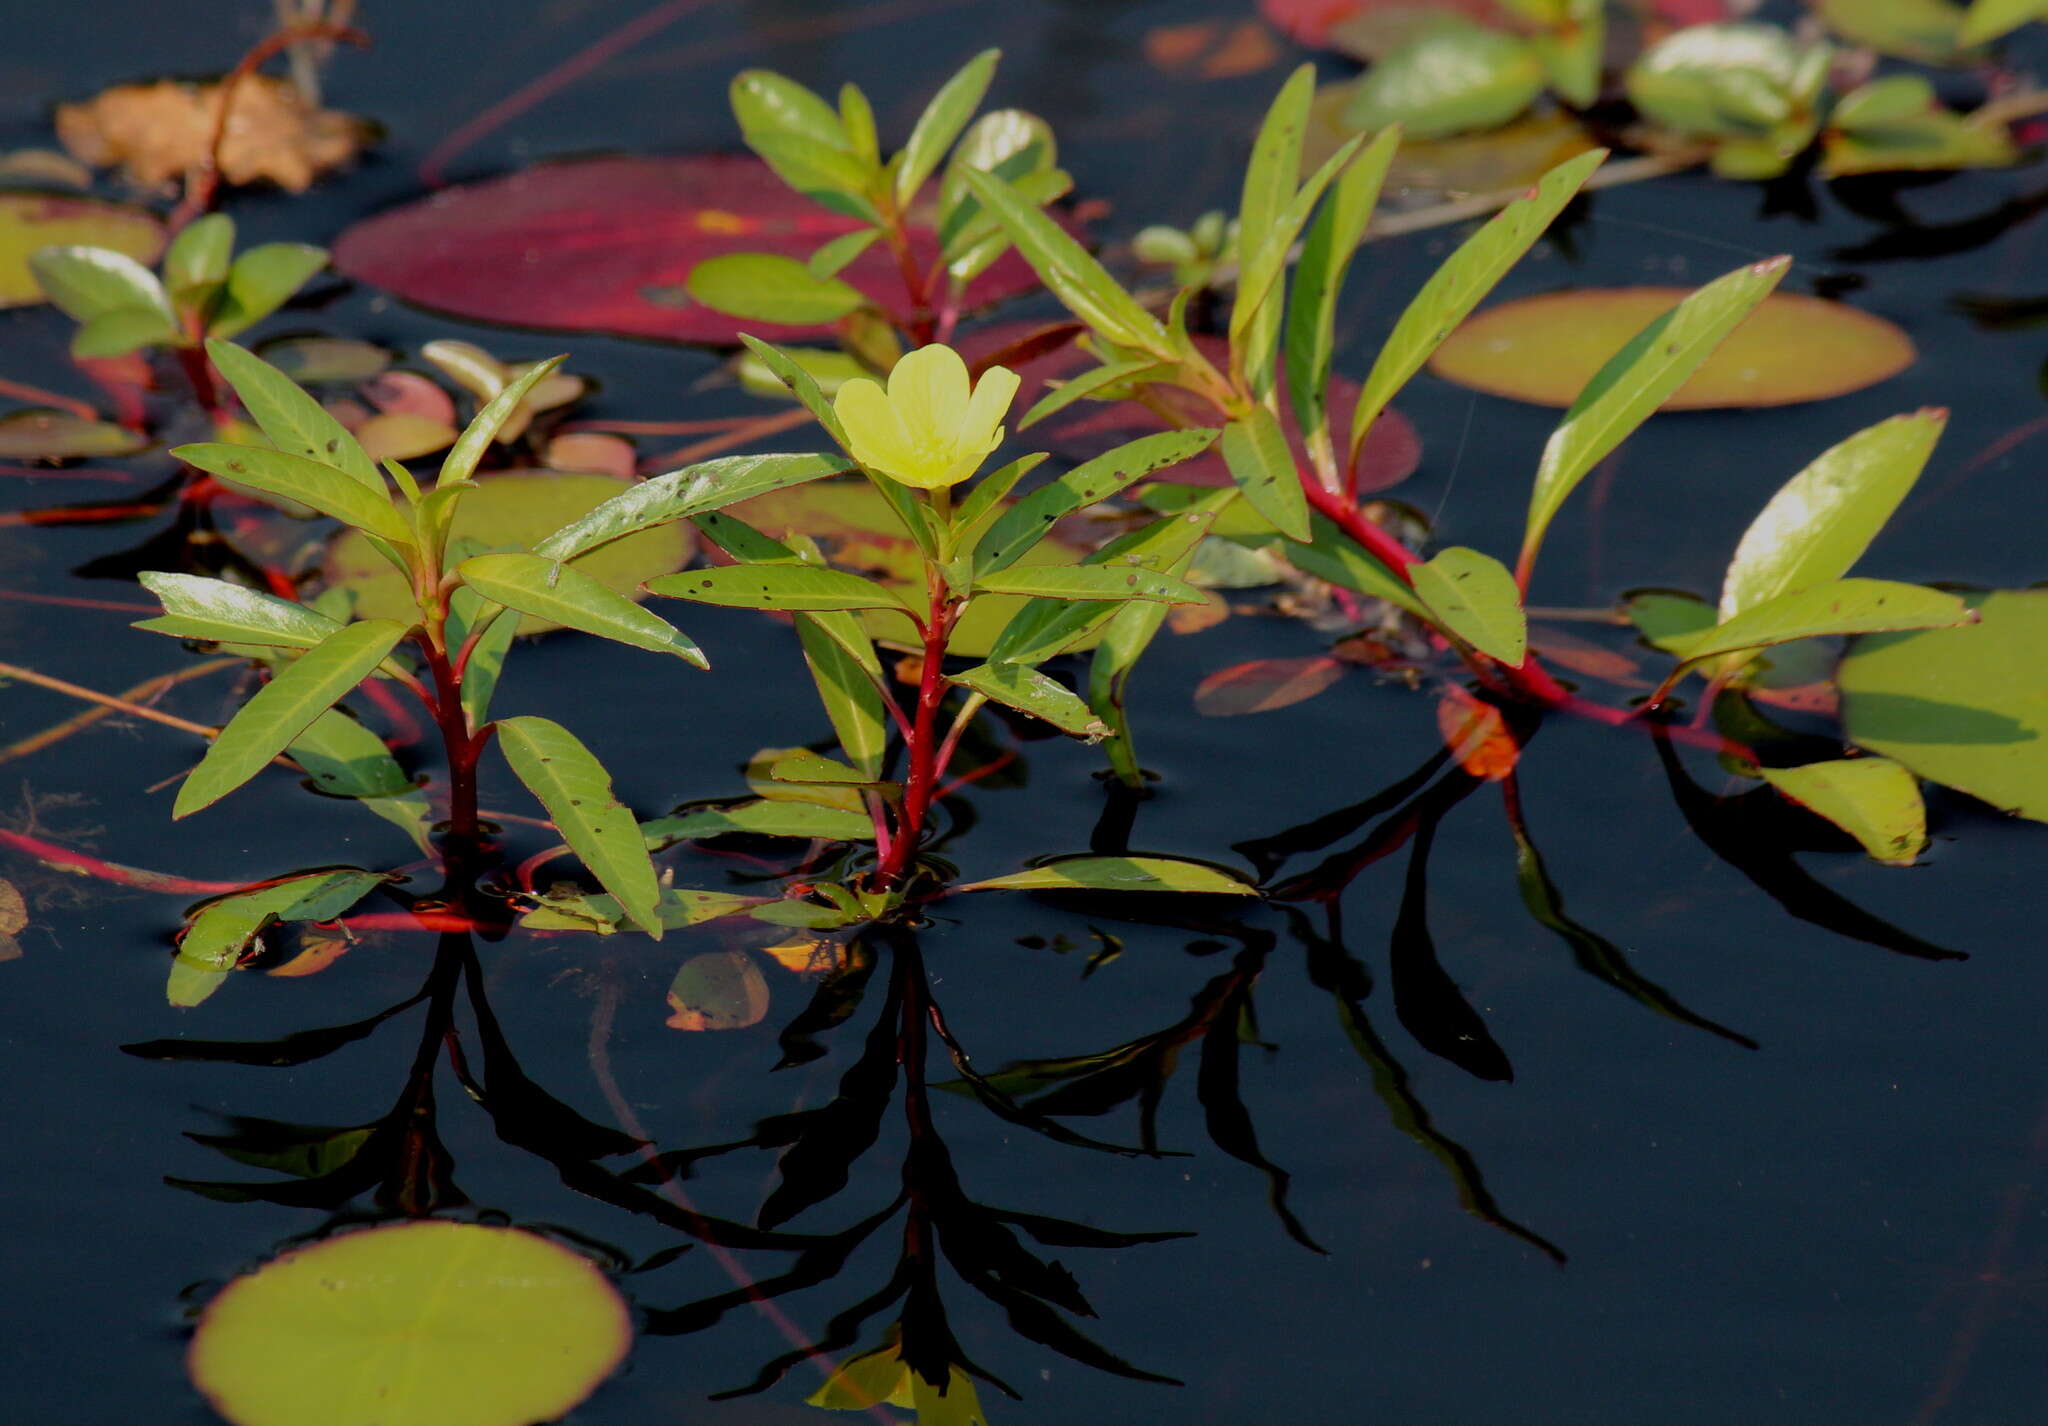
1309 21
605 244
1264 684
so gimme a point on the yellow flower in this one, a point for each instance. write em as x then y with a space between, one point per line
926 430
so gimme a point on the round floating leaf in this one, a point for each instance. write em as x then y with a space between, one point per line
325 361
420 1324
1790 349
511 512
58 435
608 245
719 990
29 221
1454 78
1965 707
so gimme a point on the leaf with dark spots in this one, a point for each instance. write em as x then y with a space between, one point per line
607 245
1426 1001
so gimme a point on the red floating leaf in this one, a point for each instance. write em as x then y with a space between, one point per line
1476 735
604 245
1265 684
1310 21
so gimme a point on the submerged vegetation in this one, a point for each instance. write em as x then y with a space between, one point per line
986 603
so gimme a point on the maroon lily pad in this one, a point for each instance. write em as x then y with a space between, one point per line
604 244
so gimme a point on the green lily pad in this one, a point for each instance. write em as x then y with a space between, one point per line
29 221
59 435
431 1323
511 512
1965 707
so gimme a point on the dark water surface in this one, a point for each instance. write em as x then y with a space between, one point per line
1845 1224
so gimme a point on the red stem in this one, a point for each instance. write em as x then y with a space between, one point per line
923 748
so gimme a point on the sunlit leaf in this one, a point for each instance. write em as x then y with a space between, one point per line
1029 691
89 283
432 1323
1842 606
717 990
1988 19
848 675
1089 873
1453 78
1475 598
196 262
1326 254
1930 31
759 818
577 792
262 280
765 288
1263 685
221 931
1026 522
196 607
941 123
1874 800
284 707
1256 450
1791 348
32 221
345 759
1964 707
476 438
60 435
1091 582
561 594
309 482
293 420
1669 620
780 586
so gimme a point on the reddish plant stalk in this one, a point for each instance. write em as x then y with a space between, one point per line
921 780
462 747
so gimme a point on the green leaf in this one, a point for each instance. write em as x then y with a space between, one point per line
684 494
1874 800
833 257
220 931
1262 464
118 333
1572 51
262 280
1819 524
196 263
1065 393
1064 265
1966 707
848 674
1086 581
983 506
460 462
309 482
548 589
857 121
801 384
293 420
1458 286
1454 78
1668 621
830 177
486 657
1326 254
88 282
760 818
768 288
1476 599
1842 606
284 708
1017 147
1269 189
196 607
1120 874
1332 555
345 759
1030 519
1635 382
767 103
776 586
1029 691
1988 19
601 914
941 122
577 792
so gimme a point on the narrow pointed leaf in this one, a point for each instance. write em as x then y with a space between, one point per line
293 420
1262 464
1458 286
486 657
345 759
307 481
1120 874
284 708
941 122
1091 582
550 590
1029 691
848 674
984 504
776 586
830 259
262 280
1332 555
1843 606
1874 800
577 792
1027 522
682 494
1636 381
1067 392
1326 254
222 930
1269 187
801 384
760 819
196 607
1989 19
461 461
766 287
1476 599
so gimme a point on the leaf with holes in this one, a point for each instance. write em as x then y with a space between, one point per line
577 792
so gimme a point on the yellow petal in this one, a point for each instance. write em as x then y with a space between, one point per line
873 427
928 388
982 428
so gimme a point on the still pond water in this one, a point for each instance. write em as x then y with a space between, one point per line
1847 1222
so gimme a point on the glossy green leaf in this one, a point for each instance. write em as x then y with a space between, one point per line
1326 254
1819 524
983 506
262 280
196 607
1669 621
766 288
777 586
577 792
1269 188
433 1322
1988 19
1028 521
941 123
848 676
1120 874
293 420
1720 80
283 708
1475 598
486 657
1064 265
760 818
89 282
1090 582
118 333
601 914
345 759
1454 78
801 384
1635 382
833 257
1029 691
196 262
309 482
1965 707
562 594
1261 462
1842 606
1460 283
461 461
221 931
683 494
1874 800
1261 283
767 103
1332 555
1065 393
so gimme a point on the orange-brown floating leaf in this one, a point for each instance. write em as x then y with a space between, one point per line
1211 49
157 133
1193 618
1586 657
402 436
13 920
811 956
1265 684
319 948
592 451
1791 348
718 990
1476 735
